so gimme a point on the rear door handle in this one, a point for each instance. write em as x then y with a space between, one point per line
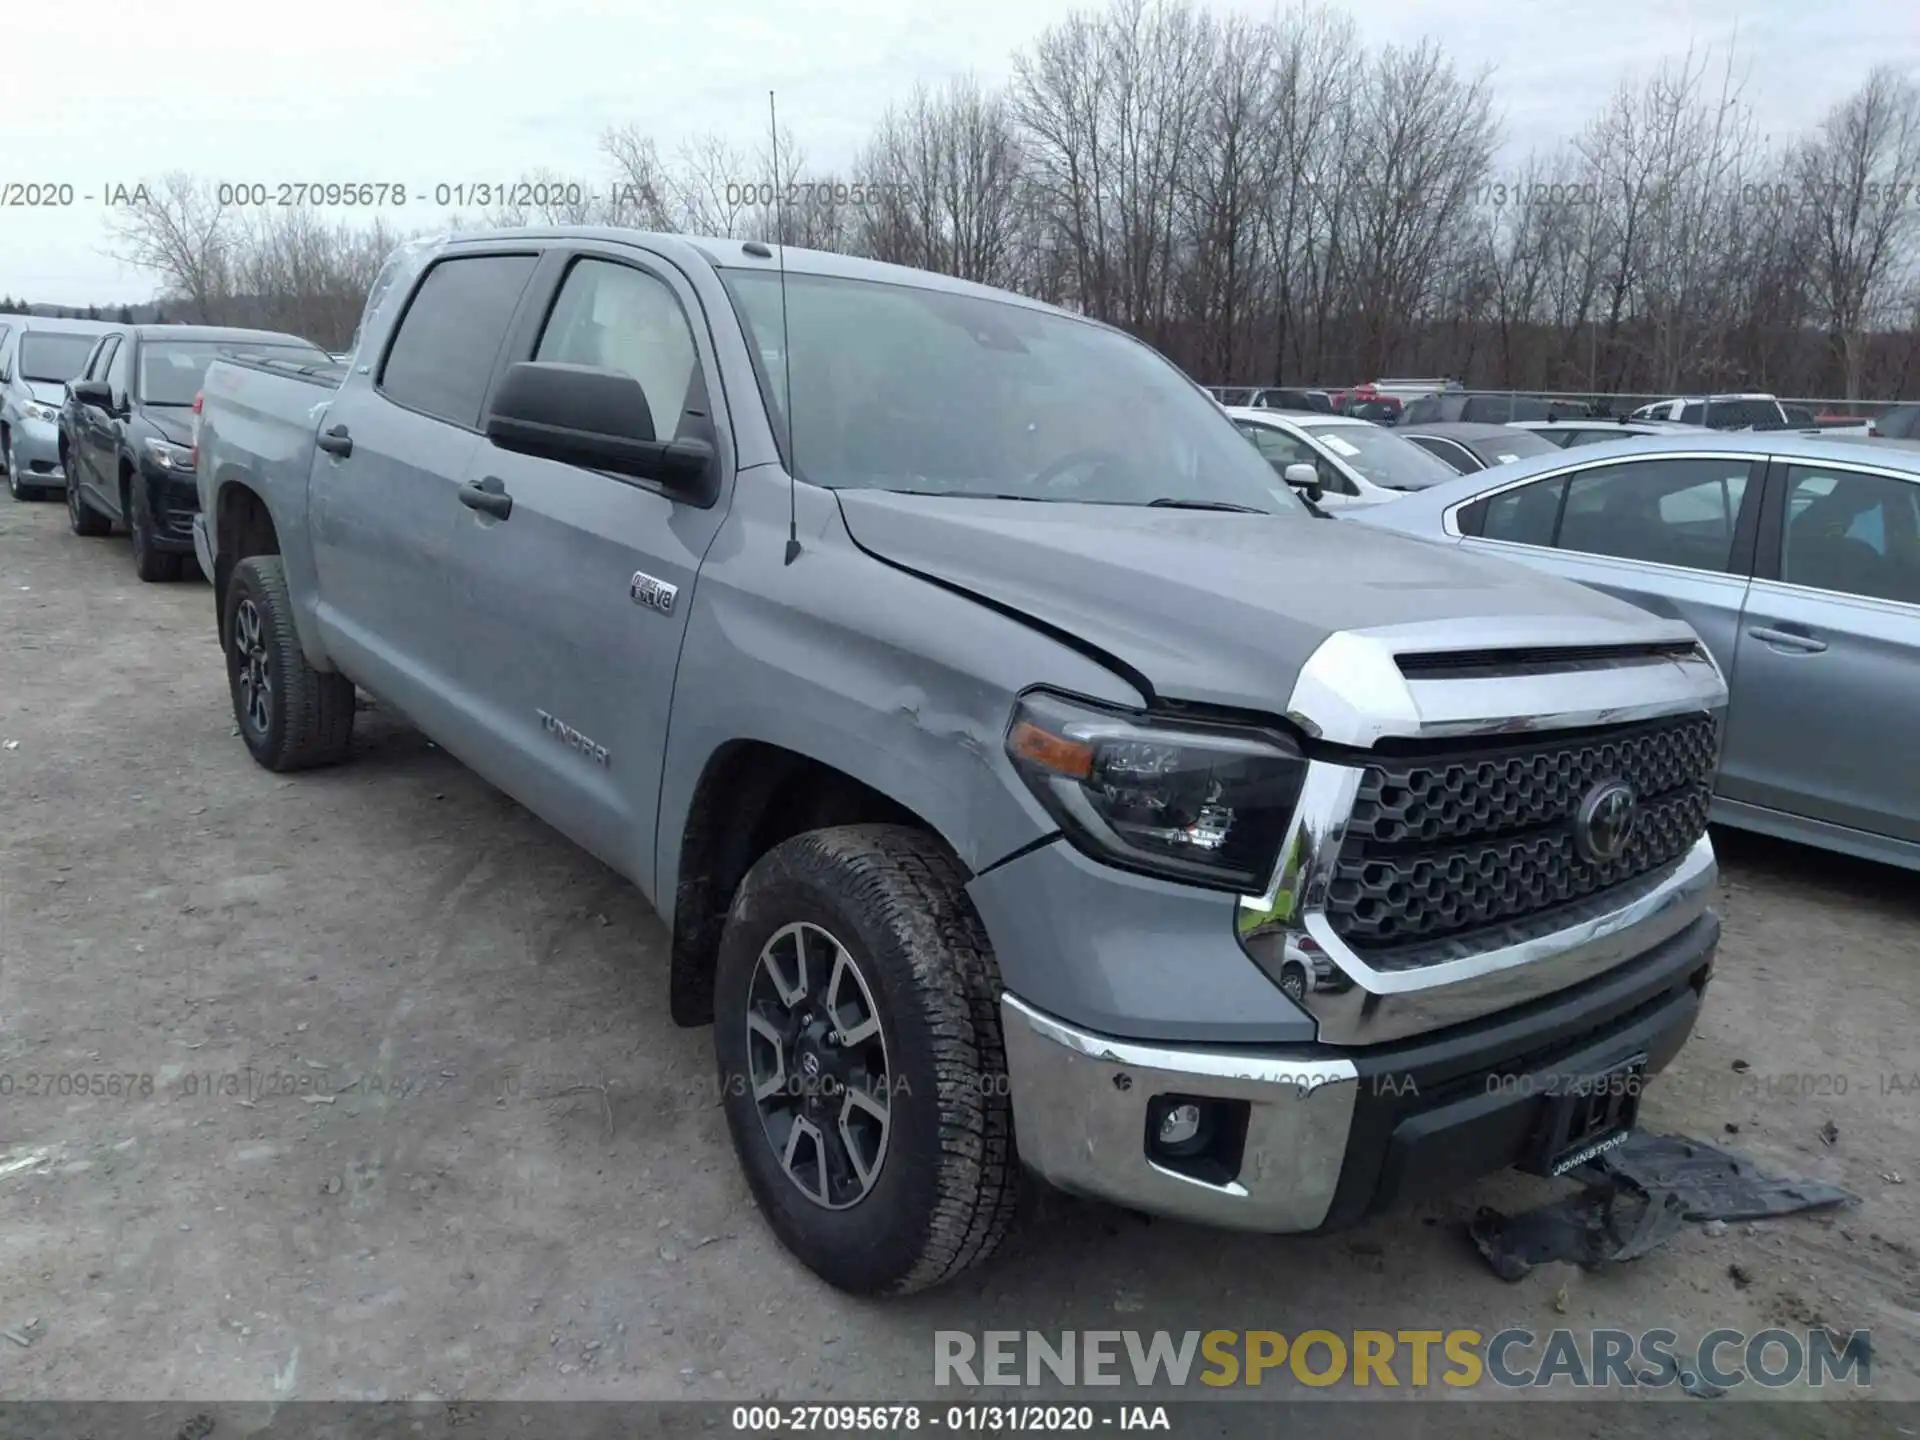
336 441
1787 639
489 496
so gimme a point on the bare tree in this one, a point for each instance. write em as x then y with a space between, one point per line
1858 177
179 232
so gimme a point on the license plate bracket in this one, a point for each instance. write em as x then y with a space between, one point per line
1586 1116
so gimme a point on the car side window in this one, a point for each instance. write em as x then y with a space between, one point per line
117 373
1525 515
103 358
1852 533
1693 414
619 318
1668 512
442 357
1456 456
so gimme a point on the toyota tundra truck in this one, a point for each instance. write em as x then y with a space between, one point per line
1027 780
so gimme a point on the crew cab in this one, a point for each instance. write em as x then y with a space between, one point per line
1720 412
1023 786
126 433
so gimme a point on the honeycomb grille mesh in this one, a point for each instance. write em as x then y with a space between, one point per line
1439 846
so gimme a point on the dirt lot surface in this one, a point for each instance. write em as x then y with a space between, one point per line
408 1118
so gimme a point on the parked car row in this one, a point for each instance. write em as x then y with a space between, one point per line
104 412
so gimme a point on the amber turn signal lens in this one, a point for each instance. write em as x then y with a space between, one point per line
1065 757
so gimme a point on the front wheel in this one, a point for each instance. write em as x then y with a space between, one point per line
82 518
857 1033
150 564
291 716
14 488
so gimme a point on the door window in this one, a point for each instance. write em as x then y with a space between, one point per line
441 361
1526 515
618 318
1852 533
117 376
103 358
1668 512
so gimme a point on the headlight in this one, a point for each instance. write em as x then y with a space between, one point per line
1208 804
37 411
169 456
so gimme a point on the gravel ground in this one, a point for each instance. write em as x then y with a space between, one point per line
527 1192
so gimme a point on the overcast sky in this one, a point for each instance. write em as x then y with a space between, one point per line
422 92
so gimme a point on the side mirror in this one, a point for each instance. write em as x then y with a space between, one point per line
592 417
92 392
1304 478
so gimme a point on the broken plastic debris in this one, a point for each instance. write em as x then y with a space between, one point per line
1636 1198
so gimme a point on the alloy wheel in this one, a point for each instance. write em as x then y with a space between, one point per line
817 1064
250 667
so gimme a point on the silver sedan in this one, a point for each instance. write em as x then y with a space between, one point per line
1797 559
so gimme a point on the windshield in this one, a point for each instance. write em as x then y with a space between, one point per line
1382 457
900 387
53 357
171 370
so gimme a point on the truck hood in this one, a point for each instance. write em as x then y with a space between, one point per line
1205 606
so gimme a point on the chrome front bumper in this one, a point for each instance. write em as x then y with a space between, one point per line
1081 1102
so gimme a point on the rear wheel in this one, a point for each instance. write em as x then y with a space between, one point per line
857 1032
82 518
149 563
291 716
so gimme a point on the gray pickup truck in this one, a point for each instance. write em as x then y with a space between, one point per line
1028 780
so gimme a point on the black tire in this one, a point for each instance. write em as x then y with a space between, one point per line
305 717
948 1181
82 518
151 565
18 491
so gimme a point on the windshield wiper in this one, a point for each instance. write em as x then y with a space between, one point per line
1173 503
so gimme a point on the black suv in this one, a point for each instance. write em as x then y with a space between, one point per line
126 433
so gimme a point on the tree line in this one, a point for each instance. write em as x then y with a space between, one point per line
119 314
1265 201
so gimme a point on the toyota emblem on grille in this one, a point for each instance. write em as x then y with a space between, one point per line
1603 825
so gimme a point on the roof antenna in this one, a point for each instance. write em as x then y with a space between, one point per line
786 338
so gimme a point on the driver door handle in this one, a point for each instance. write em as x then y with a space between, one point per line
1788 640
488 496
336 441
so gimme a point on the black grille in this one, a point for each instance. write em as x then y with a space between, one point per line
1443 845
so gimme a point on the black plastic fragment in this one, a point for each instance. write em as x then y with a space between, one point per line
1637 1197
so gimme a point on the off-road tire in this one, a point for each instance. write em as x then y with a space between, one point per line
309 714
151 565
82 518
950 1181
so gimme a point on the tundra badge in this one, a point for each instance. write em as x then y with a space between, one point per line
655 594
567 735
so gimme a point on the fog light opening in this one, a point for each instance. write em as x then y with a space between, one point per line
1197 1137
